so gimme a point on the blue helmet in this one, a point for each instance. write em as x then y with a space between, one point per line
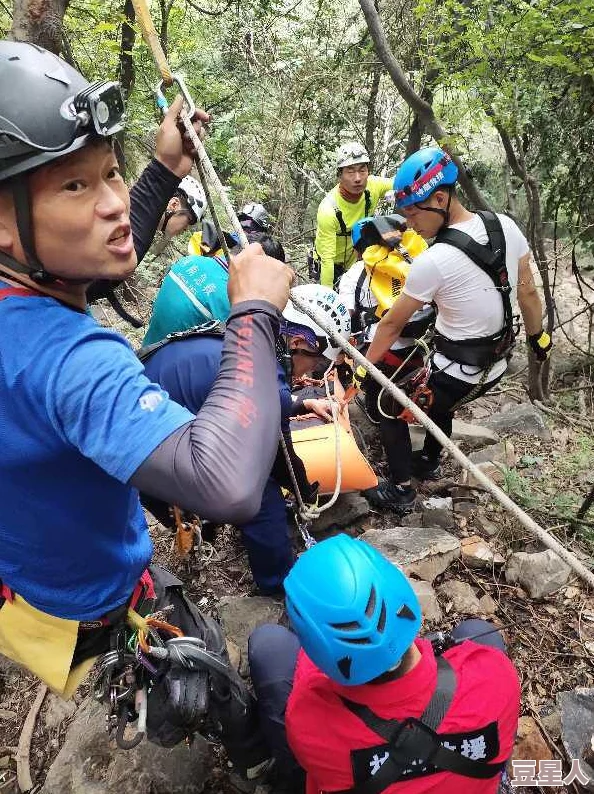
354 612
357 232
422 173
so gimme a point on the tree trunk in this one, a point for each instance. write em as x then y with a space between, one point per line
417 104
40 22
417 127
371 114
165 6
126 66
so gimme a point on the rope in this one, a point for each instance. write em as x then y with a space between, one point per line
545 537
207 173
313 312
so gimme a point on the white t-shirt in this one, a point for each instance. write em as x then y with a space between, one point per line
347 290
468 304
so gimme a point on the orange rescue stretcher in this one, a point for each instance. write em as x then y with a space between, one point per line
315 443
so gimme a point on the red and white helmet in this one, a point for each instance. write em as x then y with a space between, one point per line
330 307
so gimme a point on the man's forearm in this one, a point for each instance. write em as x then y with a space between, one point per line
385 335
327 273
218 465
531 308
148 201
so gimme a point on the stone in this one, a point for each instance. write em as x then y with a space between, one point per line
430 608
502 453
369 432
525 419
486 526
234 654
438 503
240 616
442 518
417 437
87 764
414 519
476 553
465 507
424 553
347 510
493 471
539 573
488 605
6 714
461 596
577 727
472 435
58 710
530 743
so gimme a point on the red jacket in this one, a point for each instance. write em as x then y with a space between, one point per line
322 732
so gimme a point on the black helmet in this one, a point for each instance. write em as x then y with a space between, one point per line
253 217
47 111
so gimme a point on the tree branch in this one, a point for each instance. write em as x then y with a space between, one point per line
422 108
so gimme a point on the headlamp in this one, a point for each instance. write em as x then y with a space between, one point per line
102 105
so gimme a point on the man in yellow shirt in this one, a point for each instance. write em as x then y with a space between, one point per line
355 197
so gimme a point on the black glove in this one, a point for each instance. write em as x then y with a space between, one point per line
541 343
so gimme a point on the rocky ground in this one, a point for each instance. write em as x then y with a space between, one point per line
466 555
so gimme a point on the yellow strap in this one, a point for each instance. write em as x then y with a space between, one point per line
136 621
152 39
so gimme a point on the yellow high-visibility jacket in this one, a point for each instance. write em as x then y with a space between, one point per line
333 240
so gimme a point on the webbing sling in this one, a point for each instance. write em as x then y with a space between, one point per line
212 328
344 232
415 740
491 259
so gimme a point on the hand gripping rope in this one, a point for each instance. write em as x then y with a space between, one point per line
205 168
207 174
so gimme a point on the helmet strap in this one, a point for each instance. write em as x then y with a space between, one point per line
445 214
168 214
284 357
21 197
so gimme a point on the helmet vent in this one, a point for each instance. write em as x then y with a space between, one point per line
344 665
406 612
352 626
356 640
370 608
381 624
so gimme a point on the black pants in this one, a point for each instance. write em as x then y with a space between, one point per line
273 657
447 391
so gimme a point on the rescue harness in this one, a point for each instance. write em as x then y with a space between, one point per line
413 748
482 352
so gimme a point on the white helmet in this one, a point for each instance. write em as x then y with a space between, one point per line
329 305
194 193
351 153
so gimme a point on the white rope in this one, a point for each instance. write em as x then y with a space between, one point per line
545 537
